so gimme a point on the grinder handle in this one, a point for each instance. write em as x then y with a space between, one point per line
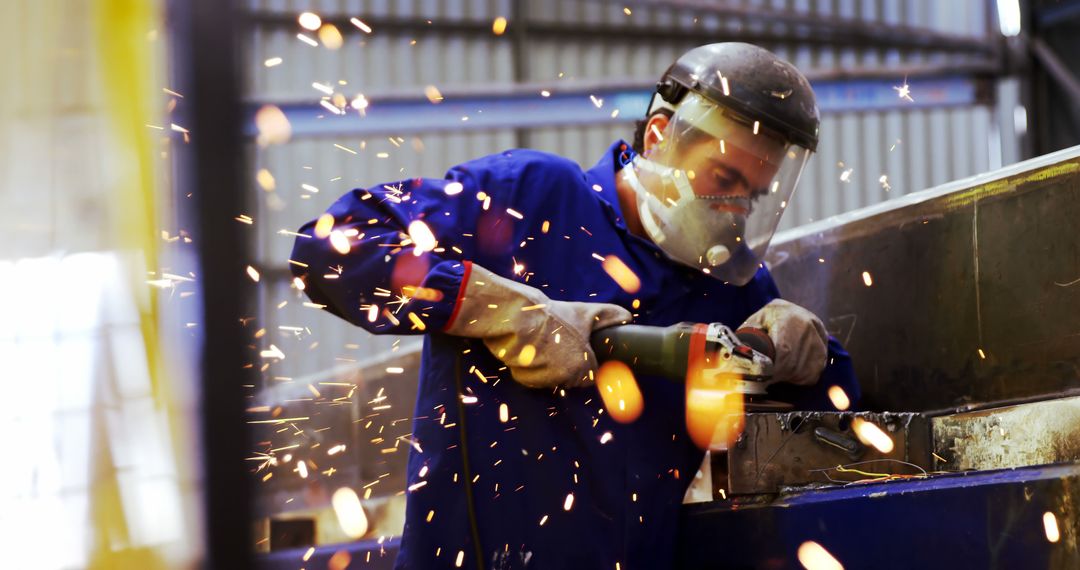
654 351
663 351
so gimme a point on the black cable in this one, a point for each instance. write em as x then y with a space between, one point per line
473 528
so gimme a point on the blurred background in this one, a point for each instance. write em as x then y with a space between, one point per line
173 400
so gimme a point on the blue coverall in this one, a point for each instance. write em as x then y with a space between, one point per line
545 215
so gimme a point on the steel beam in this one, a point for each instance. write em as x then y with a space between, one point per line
805 30
519 109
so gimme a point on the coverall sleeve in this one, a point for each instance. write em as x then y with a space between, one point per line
368 271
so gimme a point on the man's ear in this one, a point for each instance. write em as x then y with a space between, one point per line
653 129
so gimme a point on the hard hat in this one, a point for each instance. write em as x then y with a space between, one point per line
712 190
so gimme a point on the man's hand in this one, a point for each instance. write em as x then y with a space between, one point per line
544 342
800 339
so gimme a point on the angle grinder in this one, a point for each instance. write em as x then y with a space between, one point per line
726 372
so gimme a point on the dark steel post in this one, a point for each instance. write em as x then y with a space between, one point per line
209 185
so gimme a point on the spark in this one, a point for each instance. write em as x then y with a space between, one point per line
460 559
171 92
336 449
307 40
498 26
884 181
309 21
345 148
504 413
528 354
324 225
382 155
622 275
359 24
453 188
904 91
273 352
178 128
597 102
253 273
545 93
839 398
627 11
395 370
307 555
322 87
350 513
417 322
339 242
515 213
310 188
543 520
360 102
724 84
757 126
845 176
301 468
265 180
423 239
432 93
273 61
569 502
607 434
1050 524
867 279
982 354
656 132
545 227
871 434
330 36
273 125
813 556
330 107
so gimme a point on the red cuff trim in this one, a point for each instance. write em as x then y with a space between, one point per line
460 295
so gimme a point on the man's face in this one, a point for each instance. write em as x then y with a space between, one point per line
731 172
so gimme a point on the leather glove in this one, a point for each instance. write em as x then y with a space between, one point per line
800 339
545 343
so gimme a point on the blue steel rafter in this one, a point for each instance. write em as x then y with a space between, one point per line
491 112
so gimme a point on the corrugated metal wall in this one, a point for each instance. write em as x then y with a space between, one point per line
913 149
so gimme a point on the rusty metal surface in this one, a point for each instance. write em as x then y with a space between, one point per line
986 264
1037 433
800 448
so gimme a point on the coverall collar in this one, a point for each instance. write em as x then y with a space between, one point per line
618 155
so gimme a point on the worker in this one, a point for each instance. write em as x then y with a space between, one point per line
500 265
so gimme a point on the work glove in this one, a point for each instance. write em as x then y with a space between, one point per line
545 343
799 337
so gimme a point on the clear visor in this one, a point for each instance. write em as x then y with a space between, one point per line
712 191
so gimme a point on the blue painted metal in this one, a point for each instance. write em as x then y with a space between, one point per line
366 554
1064 11
978 520
491 112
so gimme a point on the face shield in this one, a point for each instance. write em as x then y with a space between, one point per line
711 193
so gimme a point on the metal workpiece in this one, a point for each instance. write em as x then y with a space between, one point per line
1016 518
1035 433
959 295
781 450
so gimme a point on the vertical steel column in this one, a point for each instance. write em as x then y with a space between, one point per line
519 32
209 187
